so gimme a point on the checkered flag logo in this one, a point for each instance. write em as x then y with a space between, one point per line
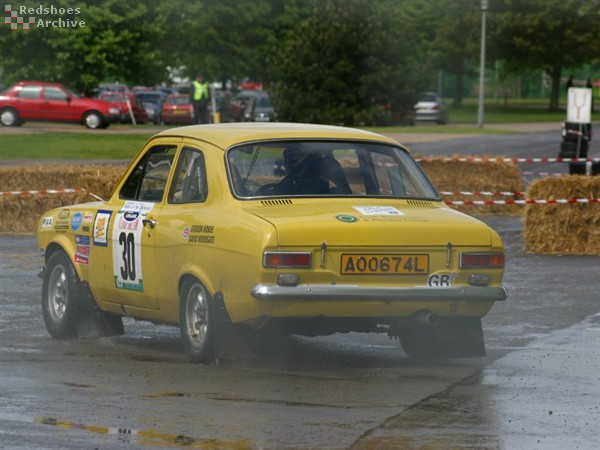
14 20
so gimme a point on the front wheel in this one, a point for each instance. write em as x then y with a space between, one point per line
196 322
59 300
93 120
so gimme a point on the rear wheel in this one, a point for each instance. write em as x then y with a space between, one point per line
59 302
9 117
196 322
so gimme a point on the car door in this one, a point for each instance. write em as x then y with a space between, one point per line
124 233
183 229
30 102
58 105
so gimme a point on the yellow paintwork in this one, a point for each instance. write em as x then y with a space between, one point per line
226 237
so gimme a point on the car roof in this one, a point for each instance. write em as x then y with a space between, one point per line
37 83
227 134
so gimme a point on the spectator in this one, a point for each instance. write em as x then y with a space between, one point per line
200 99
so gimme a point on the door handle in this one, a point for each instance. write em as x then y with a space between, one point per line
149 222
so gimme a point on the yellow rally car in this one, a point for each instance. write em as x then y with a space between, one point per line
307 229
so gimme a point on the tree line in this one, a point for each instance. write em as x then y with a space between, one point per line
329 61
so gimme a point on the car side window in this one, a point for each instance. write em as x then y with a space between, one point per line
148 181
54 93
30 92
189 181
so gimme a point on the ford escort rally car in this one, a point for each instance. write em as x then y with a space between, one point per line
304 229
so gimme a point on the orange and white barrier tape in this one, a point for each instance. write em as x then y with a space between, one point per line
524 202
489 193
518 160
44 192
48 191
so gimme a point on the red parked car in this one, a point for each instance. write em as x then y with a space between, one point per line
124 101
177 109
37 100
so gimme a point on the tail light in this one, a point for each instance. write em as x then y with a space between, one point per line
287 259
482 260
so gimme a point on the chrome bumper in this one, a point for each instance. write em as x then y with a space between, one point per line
385 294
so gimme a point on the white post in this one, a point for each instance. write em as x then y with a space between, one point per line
130 111
484 6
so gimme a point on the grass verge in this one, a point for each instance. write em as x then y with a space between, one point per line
76 146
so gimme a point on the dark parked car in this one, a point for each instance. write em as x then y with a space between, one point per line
260 110
431 107
152 101
252 106
37 100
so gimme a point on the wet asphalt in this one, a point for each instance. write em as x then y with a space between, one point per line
537 388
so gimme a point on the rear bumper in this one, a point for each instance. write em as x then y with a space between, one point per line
386 294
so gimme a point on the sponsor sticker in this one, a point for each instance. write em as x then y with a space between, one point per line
76 221
101 228
378 211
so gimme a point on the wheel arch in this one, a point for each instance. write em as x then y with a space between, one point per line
63 245
216 296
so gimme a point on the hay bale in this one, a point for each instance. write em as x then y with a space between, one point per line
20 214
496 176
563 228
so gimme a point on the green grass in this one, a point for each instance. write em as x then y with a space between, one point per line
499 113
76 146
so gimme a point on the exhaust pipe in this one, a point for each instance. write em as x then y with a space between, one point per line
427 318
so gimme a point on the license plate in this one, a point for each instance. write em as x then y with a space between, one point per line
180 111
386 264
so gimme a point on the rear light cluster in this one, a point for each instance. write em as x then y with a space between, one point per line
481 260
287 259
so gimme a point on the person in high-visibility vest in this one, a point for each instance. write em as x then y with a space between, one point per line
200 99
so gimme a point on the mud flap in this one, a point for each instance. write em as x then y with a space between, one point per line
460 337
91 321
232 342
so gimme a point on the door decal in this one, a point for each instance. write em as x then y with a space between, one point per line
127 248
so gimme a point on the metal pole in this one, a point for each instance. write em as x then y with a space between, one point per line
484 6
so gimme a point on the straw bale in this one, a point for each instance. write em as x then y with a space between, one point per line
20 214
497 176
563 228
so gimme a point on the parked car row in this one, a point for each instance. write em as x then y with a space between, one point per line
36 100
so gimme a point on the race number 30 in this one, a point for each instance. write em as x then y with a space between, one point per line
127 250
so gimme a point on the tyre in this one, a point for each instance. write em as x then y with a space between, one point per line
197 322
451 338
93 120
9 117
59 296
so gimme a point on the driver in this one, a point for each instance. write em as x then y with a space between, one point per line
311 172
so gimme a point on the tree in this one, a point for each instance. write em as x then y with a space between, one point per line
346 61
223 39
116 43
452 32
550 34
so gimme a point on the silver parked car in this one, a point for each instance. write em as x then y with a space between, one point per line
431 107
